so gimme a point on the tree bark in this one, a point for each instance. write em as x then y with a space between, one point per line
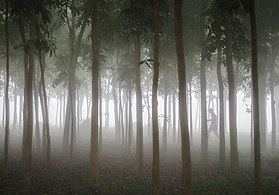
165 134
222 145
71 108
139 107
155 128
256 115
7 122
272 100
15 122
234 162
94 160
204 130
185 142
28 131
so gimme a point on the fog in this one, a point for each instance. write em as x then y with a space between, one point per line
139 97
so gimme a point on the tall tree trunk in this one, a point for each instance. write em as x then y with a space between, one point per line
15 122
234 162
272 100
100 115
222 145
185 142
191 108
155 128
204 132
61 111
165 134
116 118
148 110
71 108
174 116
262 104
107 97
42 64
256 115
37 124
121 114
20 110
94 160
139 107
28 131
7 122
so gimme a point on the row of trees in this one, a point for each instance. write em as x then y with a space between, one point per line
121 35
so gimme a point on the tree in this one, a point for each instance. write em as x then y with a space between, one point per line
234 162
256 115
155 128
222 145
94 159
28 130
204 132
185 142
7 123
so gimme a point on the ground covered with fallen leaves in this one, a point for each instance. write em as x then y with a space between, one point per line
118 173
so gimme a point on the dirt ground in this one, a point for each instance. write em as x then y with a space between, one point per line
118 172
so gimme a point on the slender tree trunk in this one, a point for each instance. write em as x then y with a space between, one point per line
121 114
101 115
204 132
222 145
272 100
15 123
61 110
155 128
3 113
37 124
148 110
7 122
165 134
28 131
94 161
20 110
116 118
139 108
185 142
107 104
174 116
256 115
130 120
234 162
57 111
262 104
71 101
45 106
191 108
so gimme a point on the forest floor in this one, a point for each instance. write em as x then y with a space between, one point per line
118 173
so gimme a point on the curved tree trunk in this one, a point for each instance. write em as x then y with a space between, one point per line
185 142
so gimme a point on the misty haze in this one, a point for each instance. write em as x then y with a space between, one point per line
139 97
